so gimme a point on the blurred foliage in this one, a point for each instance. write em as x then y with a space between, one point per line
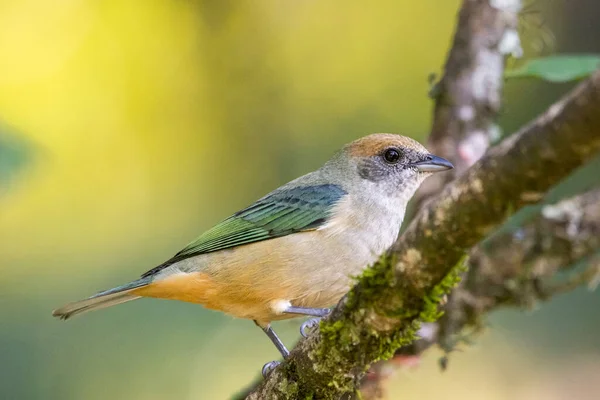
558 68
158 119
15 154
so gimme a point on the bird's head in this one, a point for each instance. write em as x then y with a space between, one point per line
387 164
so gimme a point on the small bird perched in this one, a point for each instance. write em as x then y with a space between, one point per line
294 251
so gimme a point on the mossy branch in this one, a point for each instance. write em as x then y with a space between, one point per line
514 268
384 310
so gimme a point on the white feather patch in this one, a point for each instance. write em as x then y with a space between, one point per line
279 306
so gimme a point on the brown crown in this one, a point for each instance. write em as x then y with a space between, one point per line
377 142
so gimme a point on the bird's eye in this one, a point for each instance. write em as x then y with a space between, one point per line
391 156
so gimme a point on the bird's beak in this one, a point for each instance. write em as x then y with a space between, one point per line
433 163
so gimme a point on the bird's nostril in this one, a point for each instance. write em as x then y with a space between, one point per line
428 158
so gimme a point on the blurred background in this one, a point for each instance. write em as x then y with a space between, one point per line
129 127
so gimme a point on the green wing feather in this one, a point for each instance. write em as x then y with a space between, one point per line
281 213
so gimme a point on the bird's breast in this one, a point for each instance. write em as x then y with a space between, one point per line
367 228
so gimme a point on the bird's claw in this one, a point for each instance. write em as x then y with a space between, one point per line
309 326
269 367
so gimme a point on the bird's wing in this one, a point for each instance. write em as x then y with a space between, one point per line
281 213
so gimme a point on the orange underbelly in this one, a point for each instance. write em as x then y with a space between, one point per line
200 288
246 281
191 288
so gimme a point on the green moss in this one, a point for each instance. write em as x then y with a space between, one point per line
342 338
389 345
430 311
337 339
290 389
372 280
345 342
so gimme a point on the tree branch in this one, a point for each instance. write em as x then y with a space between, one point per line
517 264
467 103
468 97
383 311
517 268
510 269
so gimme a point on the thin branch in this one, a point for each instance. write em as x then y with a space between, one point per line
382 312
518 268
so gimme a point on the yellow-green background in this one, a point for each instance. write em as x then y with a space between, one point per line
151 120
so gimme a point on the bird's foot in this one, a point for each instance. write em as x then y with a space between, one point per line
269 367
309 326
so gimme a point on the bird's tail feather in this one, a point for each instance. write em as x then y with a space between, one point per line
107 298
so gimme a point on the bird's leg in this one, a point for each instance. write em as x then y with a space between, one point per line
270 366
306 326
313 312
276 341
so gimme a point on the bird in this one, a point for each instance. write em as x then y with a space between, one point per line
295 251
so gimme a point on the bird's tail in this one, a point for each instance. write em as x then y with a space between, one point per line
107 298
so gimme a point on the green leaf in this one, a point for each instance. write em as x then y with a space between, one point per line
560 68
